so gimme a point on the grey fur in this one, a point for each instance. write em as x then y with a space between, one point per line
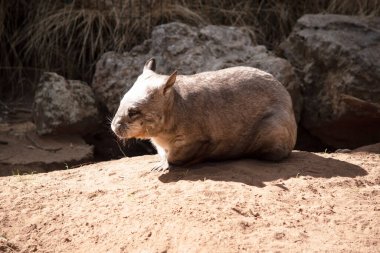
225 114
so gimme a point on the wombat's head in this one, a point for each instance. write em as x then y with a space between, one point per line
144 107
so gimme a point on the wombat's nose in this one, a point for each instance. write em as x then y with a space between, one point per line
116 125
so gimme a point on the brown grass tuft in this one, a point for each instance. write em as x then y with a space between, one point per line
68 36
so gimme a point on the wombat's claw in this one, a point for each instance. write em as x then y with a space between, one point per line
161 166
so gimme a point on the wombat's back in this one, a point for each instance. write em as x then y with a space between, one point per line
233 94
238 83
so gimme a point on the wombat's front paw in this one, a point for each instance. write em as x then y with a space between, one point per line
161 166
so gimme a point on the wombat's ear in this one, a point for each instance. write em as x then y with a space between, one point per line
170 82
150 64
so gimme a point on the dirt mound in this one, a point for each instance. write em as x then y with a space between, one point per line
310 202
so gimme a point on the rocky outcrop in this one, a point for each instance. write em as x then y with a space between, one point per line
23 151
189 50
338 62
64 106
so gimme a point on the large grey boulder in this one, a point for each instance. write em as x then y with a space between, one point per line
64 106
189 50
338 59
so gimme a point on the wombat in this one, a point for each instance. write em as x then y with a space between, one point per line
238 112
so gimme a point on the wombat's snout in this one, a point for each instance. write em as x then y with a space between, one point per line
118 126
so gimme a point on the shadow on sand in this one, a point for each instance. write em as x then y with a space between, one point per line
256 173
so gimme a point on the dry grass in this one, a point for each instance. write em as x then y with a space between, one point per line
68 36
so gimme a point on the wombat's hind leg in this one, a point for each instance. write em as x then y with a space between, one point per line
276 140
274 154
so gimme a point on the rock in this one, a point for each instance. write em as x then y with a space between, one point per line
23 151
373 148
189 50
337 58
64 106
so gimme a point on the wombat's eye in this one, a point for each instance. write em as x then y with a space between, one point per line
133 113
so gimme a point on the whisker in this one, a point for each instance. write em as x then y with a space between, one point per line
121 150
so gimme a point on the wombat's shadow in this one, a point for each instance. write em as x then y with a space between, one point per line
256 173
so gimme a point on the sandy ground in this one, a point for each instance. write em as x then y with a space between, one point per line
310 203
